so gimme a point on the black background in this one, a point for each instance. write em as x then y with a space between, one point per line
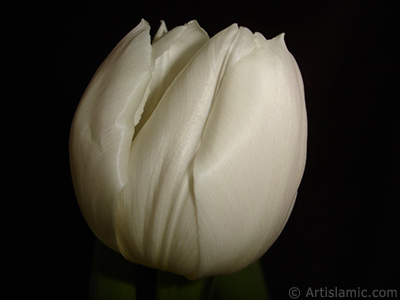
344 229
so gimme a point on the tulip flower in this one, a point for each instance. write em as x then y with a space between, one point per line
187 152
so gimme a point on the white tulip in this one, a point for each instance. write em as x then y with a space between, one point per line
187 153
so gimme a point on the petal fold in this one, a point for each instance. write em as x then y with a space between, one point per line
171 53
162 226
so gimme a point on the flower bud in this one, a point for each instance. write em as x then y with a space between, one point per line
186 153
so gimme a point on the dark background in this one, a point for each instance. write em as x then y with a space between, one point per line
344 229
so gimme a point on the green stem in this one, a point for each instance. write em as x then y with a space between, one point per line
174 287
248 283
115 278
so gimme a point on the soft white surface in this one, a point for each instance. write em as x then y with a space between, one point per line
186 154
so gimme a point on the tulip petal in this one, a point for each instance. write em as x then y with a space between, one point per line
251 159
103 129
160 230
162 30
171 53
